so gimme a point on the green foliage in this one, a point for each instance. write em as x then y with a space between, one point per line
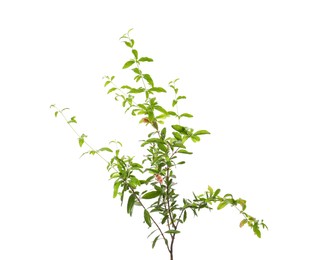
149 184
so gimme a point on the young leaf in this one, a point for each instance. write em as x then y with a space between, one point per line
177 136
105 149
256 230
202 132
81 139
128 64
137 71
157 89
174 102
129 44
143 59
222 205
216 192
135 53
186 115
130 204
148 78
147 218
72 120
111 90
243 222
136 90
195 138
181 97
210 189
184 151
151 195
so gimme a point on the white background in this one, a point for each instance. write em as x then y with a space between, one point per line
251 72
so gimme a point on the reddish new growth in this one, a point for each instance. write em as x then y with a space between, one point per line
159 178
144 120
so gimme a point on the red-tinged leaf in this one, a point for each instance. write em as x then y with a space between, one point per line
243 222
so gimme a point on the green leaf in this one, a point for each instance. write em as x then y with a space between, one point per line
152 140
126 87
256 230
181 97
137 71
81 139
136 90
147 218
186 115
171 231
134 182
107 83
135 52
143 59
148 78
116 187
154 241
178 128
179 144
174 102
157 89
195 138
56 113
72 120
210 189
128 64
243 222
129 44
177 136
161 109
184 151
105 149
216 192
162 147
163 133
172 113
184 216
222 205
111 90
151 195
202 132
130 204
